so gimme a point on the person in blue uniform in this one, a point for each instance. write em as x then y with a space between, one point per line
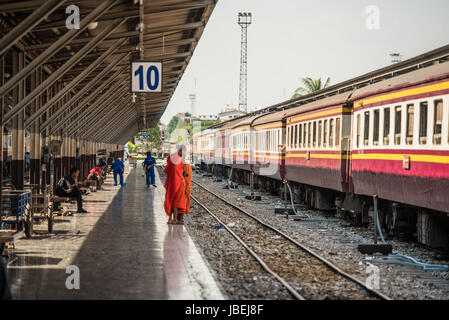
117 168
148 167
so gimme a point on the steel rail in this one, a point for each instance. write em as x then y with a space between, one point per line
290 289
304 248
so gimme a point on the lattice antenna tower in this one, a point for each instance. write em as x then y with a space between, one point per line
244 20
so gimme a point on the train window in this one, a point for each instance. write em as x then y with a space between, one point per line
291 137
267 146
423 122
438 121
331 132
309 134
300 136
376 127
314 133
325 134
320 130
410 123
304 137
366 129
397 125
296 136
337 132
358 131
386 126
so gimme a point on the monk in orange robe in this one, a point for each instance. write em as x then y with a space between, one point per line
187 169
175 186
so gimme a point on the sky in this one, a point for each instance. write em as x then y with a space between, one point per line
292 39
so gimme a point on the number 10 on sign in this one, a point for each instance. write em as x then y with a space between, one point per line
146 76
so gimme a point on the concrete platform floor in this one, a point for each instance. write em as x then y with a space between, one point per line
123 249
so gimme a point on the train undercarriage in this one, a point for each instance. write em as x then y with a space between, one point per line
427 227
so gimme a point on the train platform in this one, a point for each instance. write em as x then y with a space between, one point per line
122 248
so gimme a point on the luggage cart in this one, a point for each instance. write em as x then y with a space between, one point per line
16 211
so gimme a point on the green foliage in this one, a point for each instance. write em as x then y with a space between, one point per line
131 147
310 86
188 114
207 123
154 138
172 124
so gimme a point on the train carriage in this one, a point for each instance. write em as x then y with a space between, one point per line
269 146
241 144
317 148
400 141
223 143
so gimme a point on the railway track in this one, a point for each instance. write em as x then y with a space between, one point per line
304 273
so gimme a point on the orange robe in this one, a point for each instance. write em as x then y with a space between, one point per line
187 168
174 184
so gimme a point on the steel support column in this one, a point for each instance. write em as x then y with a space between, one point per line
35 138
18 131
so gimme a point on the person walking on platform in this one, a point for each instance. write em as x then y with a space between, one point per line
68 188
117 168
175 198
148 166
187 173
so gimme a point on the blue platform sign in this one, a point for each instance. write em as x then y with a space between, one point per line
146 76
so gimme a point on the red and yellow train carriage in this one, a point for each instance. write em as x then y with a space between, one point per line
269 145
241 144
317 149
400 140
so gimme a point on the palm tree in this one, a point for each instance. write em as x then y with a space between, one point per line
310 86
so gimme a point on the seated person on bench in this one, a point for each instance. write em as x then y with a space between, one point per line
96 175
68 187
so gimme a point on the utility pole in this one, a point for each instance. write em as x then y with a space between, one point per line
244 20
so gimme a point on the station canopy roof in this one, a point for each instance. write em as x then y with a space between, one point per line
92 64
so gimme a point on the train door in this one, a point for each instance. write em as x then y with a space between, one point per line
283 148
347 131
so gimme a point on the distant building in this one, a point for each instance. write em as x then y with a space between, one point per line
230 113
206 117
184 117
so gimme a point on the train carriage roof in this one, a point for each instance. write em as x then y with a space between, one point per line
275 116
428 74
334 100
245 122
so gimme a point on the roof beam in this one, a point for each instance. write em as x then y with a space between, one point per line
127 34
75 82
20 30
60 71
114 14
56 46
